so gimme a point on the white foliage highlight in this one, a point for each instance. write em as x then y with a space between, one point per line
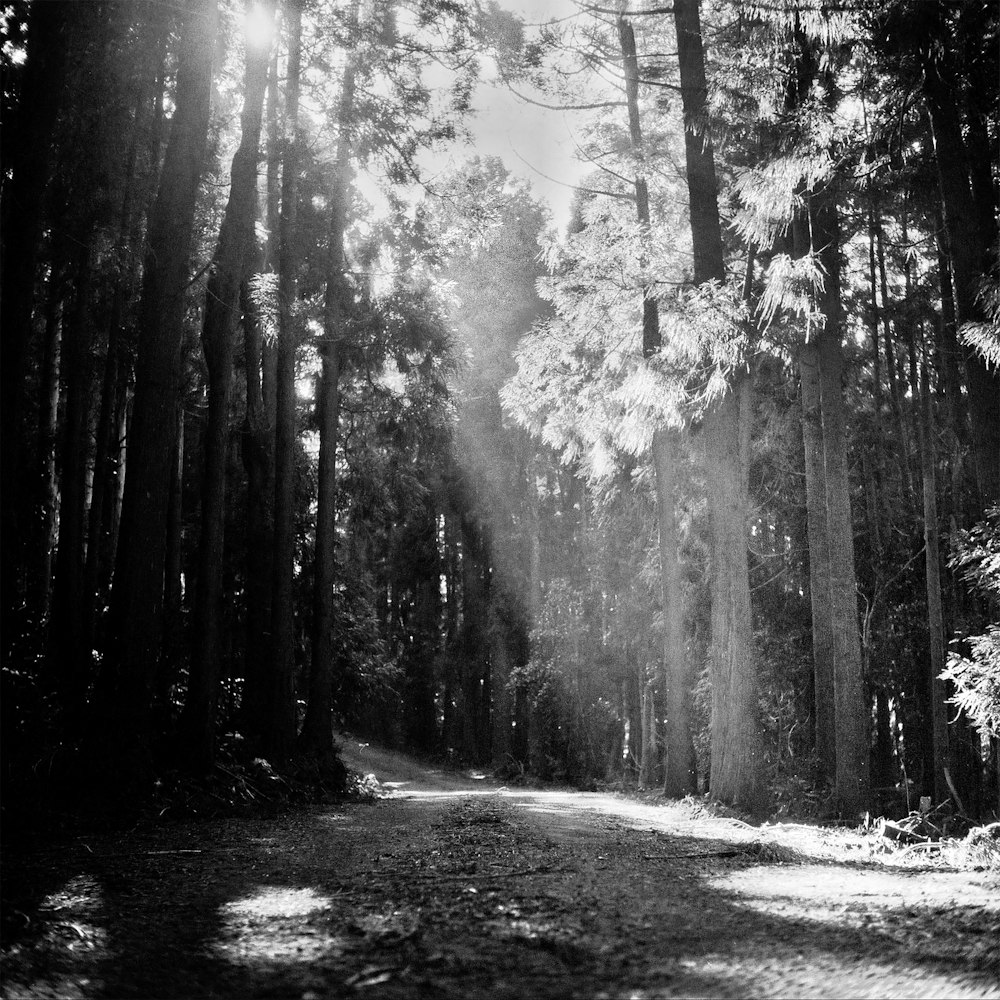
793 285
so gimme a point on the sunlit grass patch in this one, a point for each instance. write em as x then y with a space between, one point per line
772 852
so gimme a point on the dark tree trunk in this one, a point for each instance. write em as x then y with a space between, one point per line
851 710
452 626
895 373
819 558
258 461
472 645
421 721
971 238
949 352
104 454
258 451
737 748
128 249
317 728
48 495
940 750
137 596
218 335
28 156
173 566
883 767
69 651
121 434
279 733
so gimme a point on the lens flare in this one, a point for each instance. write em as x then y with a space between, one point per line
258 26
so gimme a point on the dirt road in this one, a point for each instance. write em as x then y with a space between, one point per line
455 888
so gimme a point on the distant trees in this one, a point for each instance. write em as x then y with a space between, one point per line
790 178
693 494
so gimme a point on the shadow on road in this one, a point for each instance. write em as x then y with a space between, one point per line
455 888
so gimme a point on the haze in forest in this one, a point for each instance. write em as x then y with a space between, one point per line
683 476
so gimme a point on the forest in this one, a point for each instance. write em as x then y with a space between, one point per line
314 419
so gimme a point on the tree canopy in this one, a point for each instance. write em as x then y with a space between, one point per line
314 418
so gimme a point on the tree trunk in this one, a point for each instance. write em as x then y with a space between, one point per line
473 646
970 243
173 563
647 763
48 495
895 373
678 779
69 650
121 454
317 729
819 559
737 748
883 767
450 722
137 596
258 461
851 710
258 450
737 733
279 733
232 258
940 750
27 166
630 62
105 449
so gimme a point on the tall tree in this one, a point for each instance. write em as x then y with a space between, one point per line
137 596
280 722
28 160
222 308
317 727
842 712
851 711
260 366
737 743
678 779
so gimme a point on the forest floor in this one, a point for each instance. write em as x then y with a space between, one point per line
452 887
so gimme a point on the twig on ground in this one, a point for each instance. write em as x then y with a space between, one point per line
698 854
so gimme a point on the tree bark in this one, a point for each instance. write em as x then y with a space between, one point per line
69 652
317 728
737 733
137 596
819 559
257 450
737 748
48 494
279 732
260 359
679 779
940 749
971 241
27 166
851 710
232 258
677 776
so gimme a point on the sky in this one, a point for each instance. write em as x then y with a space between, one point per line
535 143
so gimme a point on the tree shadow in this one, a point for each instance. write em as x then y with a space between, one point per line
401 899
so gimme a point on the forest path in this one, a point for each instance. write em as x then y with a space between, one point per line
454 888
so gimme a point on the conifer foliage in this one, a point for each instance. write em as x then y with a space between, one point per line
303 429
